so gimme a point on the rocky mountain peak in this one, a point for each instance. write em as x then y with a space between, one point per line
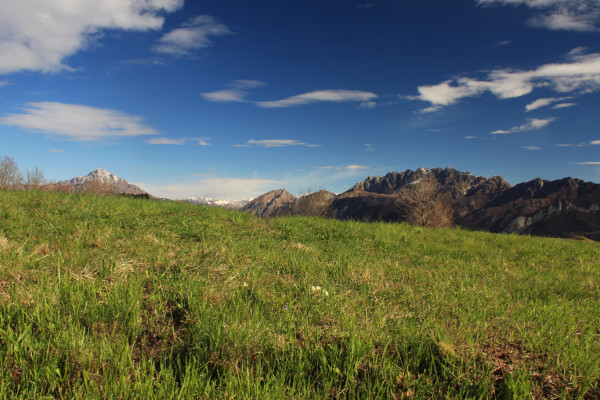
107 180
270 203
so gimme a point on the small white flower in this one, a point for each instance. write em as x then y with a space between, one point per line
245 284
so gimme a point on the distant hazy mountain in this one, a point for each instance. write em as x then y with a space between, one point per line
229 204
100 180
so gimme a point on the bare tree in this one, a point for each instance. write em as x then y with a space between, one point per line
424 205
9 173
35 178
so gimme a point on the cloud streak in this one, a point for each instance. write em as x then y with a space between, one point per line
76 122
191 36
177 142
580 74
37 35
335 96
271 143
544 102
533 124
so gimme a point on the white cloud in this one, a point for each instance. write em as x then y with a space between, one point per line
270 143
223 188
163 140
320 96
564 105
531 148
595 142
369 147
539 103
57 151
193 35
368 104
177 142
37 35
533 124
225 96
588 163
3 83
356 167
351 167
581 74
472 137
571 15
76 122
237 93
571 145
246 84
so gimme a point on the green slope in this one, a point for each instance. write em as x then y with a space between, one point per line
105 297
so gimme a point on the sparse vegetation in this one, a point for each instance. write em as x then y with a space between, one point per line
110 297
423 204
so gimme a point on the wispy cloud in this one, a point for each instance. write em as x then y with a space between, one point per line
76 122
544 102
37 35
351 167
503 43
571 144
472 137
531 148
191 36
534 123
177 142
564 105
595 142
588 163
245 84
580 74
570 15
357 167
238 91
369 147
368 104
320 96
226 96
57 151
162 140
3 83
270 143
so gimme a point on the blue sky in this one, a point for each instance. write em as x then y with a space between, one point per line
230 99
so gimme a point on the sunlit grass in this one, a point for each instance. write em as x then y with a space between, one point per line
107 297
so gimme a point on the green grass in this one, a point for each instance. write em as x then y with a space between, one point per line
106 297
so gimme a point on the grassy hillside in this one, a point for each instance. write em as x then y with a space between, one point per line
105 297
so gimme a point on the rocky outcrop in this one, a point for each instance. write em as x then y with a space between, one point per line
566 207
271 203
316 204
367 206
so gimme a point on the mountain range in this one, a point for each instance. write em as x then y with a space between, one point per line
563 208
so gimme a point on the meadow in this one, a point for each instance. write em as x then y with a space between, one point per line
109 297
